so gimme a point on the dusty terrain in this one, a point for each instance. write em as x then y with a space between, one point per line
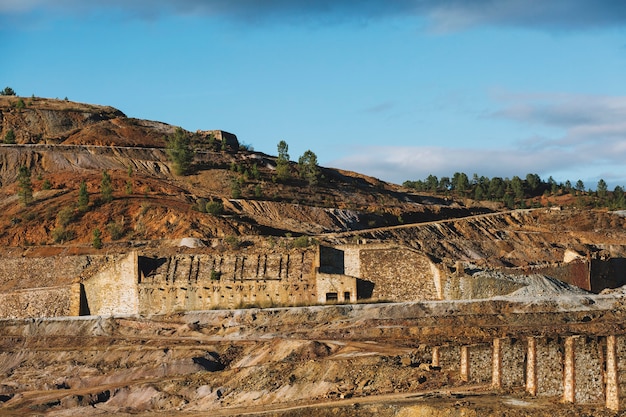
332 360
323 360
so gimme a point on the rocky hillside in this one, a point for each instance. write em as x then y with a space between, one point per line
64 143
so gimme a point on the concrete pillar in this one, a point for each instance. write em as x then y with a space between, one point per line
612 383
76 299
464 371
435 360
531 367
496 364
569 372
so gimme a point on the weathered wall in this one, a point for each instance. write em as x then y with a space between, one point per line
588 363
478 365
201 282
465 287
41 302
513 354
393 273
575 272
549 367
607 273
336 287
113 290
34 272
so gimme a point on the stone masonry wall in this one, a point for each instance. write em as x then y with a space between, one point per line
398 274
513 361
588 360
113 290
35 272
41 302
549 367
201 282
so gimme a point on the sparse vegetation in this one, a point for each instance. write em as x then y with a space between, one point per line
215 275
518 192
106 188
307 167
65 216
9 137
83 197
283 171
96 240
180 151
8 91
24 186
60 234
233 242
116 230
215 208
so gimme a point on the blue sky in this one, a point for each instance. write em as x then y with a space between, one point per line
394 89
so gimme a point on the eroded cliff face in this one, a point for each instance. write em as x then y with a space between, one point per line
521 238
41 120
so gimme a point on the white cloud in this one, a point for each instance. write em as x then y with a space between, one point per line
591 143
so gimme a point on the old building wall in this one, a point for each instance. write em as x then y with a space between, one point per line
41 302
336 288
588 360
113 290
50 271
549 367
398 274
209 281
513 354
575 272
479 365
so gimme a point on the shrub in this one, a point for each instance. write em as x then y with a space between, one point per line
215 208
283 172
215 275
235 189
9 137
307 165
115 230
302 242
65 216
96 241
61 234
25 186
233 242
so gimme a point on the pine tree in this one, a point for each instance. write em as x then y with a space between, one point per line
83 196
106 189
24 186
282 162
307 166
180 151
